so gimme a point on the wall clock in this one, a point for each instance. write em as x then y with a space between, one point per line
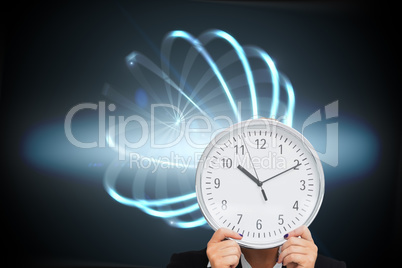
260 178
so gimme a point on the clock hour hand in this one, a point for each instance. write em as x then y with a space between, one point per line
248 174
263 193
294 167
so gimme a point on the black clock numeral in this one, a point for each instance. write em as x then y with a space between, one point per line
296 205
303 187
240 217
280 149
217 182
227 162
239 149
261 143
280 219
224 204
259 224
297 164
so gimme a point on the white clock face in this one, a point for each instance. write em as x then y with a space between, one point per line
261 179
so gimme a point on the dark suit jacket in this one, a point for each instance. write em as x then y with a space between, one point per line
199 259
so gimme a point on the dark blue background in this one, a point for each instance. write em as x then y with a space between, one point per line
58 54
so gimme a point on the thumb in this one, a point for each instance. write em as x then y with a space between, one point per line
301 231
223 233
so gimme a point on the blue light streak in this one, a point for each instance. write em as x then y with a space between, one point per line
136 57
191 224
242 56
110 178
168 201
258 52
285 82
142 204
200 48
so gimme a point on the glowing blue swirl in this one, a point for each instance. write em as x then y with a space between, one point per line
173 208
200 48
257 52
146 206
206 37
144 61
291 99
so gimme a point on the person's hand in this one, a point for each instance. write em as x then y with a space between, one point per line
224 253
300 250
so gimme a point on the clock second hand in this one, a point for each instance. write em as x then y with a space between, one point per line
252 164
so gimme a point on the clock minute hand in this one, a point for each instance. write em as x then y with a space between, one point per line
294 167
248 174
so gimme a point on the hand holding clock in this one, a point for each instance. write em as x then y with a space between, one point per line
298 251
223 253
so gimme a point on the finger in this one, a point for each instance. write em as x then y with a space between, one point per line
231 250
302 231
224 261
223 233
224 248
230 261
293 249
301 260
303 249
296 241
224 254
227 244
293 258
